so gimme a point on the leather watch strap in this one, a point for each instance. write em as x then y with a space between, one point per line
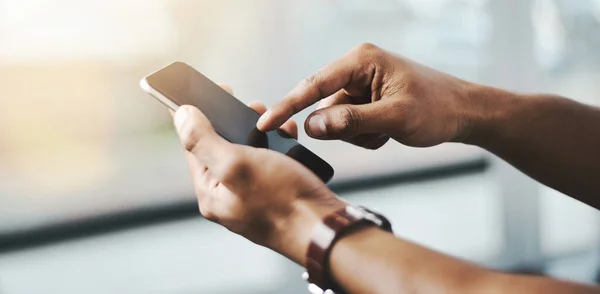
331 229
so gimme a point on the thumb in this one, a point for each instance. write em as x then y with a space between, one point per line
198 137
343 121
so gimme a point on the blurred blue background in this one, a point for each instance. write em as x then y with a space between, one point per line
94 191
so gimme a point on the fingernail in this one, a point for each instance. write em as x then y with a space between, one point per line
181 115
316 125
263 118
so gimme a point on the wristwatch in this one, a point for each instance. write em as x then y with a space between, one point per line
333 227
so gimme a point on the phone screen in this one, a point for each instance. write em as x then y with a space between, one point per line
233 120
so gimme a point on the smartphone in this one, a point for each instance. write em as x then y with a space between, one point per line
180 84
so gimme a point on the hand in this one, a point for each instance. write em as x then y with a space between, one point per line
263 195
370 95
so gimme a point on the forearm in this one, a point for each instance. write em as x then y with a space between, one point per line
373 261
552 139
500 283
370 260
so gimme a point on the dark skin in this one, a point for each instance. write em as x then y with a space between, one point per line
552 139
366 98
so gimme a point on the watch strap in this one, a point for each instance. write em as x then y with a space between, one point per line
334 226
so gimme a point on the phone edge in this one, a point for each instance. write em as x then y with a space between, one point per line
171 105
157 95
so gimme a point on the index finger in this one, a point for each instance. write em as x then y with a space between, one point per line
322 84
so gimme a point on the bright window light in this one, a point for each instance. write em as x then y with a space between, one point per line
549 33
71 29
597 10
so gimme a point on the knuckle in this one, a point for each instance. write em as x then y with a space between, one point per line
311 83
204 180
190 138
367 47
312 79
366 53
293 109
349 120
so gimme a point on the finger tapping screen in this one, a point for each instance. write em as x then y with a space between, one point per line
181 84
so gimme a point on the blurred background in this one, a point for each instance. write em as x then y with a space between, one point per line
94 191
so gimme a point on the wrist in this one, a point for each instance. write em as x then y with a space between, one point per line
489 113
293 232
